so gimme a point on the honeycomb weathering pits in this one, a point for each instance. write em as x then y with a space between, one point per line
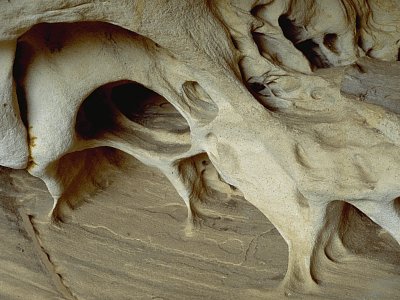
293 102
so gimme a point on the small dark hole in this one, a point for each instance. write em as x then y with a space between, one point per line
256 9
256 87
146 107
126 96
330 40
94 116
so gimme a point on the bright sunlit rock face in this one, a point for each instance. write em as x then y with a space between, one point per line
295 103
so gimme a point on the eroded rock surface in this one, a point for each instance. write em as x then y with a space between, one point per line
129 237
290 105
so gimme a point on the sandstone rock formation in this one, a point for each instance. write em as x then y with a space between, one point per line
293 102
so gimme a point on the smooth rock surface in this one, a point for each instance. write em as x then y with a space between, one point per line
129 239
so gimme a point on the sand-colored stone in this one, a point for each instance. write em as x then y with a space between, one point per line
290 105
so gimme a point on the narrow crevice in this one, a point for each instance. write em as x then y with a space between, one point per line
359 68
358 22
44 257
235 43
359 41
23 57
290 30
308 47
313 53
262 93
396 204
258 40
358 37
266 96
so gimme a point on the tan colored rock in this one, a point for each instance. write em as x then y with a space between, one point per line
260 87
13 146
